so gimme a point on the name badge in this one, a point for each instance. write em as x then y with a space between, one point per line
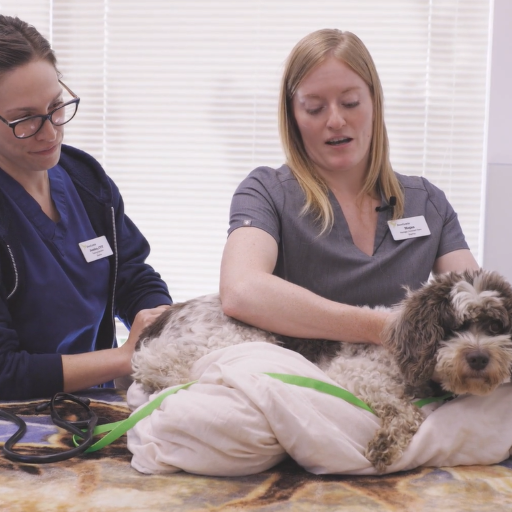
413 227
95 249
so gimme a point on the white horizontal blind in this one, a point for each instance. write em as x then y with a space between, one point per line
179 102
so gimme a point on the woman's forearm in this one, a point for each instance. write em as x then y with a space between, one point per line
82 371
252 294
271 303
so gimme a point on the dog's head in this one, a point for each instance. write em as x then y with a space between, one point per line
456 329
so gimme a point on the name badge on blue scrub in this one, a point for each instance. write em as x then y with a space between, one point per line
95 249
412 227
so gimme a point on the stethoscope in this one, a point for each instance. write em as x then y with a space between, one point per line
82 429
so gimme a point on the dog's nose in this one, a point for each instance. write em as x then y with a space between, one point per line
477 359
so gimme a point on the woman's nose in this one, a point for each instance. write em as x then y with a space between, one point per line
336 118
47 132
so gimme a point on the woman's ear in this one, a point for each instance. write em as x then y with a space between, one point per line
420 322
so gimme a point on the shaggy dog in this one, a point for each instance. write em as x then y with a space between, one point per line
455 330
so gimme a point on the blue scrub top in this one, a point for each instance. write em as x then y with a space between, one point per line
61 306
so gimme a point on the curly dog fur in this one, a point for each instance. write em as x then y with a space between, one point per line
455 330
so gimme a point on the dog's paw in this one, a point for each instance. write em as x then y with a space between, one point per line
382 451
400 422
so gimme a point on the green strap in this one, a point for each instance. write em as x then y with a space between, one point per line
117 429
429 400
321 386
329 389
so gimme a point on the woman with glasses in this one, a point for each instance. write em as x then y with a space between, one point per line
335 228
70 259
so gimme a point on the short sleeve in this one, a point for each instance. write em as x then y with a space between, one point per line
452 237
257 202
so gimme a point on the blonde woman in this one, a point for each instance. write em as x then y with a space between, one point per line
335 228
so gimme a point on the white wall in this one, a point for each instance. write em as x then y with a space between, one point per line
497 246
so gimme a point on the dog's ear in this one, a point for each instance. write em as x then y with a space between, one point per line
421 321
502 310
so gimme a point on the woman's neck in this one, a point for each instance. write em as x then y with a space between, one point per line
348 187
37 184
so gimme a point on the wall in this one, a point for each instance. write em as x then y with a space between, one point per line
497 246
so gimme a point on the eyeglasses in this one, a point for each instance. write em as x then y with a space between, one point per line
29 126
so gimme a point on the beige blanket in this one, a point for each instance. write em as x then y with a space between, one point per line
238 421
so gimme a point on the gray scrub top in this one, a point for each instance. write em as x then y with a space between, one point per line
331 265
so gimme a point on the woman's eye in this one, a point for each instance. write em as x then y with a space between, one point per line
313 111
56 104
352 104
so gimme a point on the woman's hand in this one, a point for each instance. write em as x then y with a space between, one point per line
81 371
143 319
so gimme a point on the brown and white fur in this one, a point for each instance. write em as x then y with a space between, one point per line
455 330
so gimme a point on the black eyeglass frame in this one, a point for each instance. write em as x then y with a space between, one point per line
45 117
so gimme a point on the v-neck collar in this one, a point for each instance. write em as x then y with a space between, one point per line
381 229
50 230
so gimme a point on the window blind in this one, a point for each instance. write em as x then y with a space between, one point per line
179 102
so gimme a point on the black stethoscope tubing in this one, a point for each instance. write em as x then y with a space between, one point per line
73 427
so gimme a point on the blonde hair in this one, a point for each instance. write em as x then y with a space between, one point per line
306 55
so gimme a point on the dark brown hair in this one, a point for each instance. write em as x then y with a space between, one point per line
21 43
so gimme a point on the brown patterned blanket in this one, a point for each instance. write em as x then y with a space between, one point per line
105 481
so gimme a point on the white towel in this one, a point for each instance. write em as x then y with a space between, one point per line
238 421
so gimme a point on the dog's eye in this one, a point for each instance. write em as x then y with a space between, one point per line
495 327
464 327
